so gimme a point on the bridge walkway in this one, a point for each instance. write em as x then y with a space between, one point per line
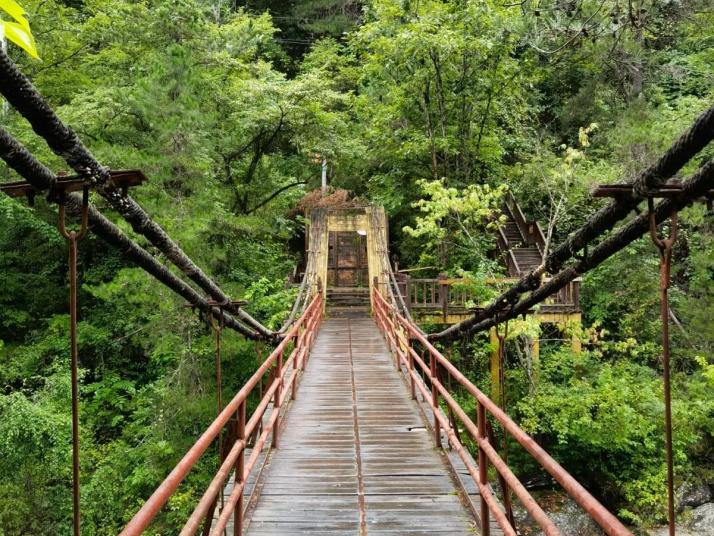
354 456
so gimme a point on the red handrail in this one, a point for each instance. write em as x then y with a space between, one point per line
302 333
398 332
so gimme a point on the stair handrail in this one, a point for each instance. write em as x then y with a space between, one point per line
531 232
507 251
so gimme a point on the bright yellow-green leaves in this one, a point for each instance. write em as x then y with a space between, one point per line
455 225
462 210
17 30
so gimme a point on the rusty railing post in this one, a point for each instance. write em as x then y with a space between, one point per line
410 361
299 358
482 465
302 335
505 490
276 401
397 341
435 399
72 237
217 328
239 478
502 381
665 246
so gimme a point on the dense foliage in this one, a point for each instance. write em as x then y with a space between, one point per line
432 108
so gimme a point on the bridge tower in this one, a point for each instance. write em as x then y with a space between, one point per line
348 246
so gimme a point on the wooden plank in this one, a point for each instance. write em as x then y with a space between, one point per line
355 457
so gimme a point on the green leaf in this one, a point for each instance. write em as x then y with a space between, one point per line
17 32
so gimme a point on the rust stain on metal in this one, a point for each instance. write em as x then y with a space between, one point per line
665 246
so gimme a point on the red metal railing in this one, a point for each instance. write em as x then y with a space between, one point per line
283 383
399 334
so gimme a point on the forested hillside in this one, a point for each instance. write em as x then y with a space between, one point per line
431 108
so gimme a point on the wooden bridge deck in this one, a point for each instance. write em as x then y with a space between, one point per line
354 456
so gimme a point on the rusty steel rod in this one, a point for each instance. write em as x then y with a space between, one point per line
482 466
72 237
434 399
665 247
503 402
239 475
217 327
278 394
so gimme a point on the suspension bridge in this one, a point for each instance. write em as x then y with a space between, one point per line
353 423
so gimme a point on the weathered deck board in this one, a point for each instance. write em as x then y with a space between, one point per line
354 456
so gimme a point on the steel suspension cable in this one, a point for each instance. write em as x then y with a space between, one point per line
692 189
40 177
25 98
698 136
309 279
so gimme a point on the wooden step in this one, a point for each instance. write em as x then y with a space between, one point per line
512 233
510 227
348 290
348 296
353 311
347 302
527 258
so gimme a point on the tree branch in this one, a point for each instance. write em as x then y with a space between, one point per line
274 195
